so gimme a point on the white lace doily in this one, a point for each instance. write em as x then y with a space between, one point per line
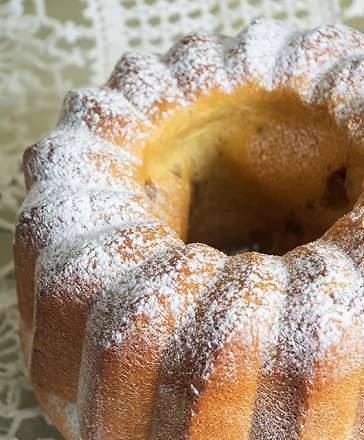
50 46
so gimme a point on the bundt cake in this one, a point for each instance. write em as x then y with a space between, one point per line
190 256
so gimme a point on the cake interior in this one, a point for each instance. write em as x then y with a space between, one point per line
251 171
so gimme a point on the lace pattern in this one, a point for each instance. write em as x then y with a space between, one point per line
49 47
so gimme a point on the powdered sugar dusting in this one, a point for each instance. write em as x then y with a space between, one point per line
304 61
105 112
102 258
242 307
253 53
348 236
343 89
73 213
163 290
324 309
91 161
147 83
197 61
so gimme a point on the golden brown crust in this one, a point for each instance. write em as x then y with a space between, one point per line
120 384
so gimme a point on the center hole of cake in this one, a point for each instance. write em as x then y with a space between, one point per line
266 177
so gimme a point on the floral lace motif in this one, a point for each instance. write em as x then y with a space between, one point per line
49 47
